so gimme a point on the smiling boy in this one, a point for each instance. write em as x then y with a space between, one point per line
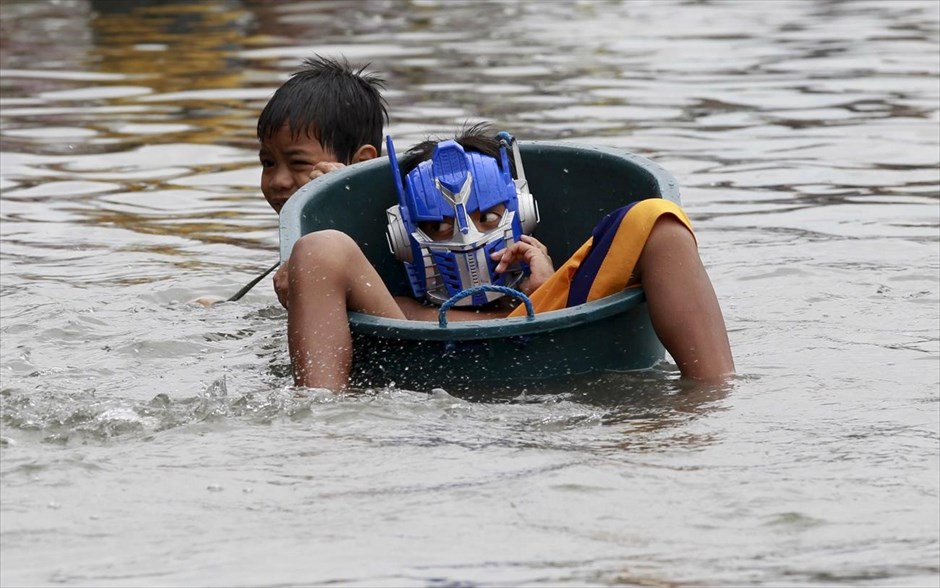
326 116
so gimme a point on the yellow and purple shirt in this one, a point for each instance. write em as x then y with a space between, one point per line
605 263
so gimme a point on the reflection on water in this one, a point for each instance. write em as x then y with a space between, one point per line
805 137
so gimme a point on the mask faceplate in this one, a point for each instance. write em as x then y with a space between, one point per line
450 187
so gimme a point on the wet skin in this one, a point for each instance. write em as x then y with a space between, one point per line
288 161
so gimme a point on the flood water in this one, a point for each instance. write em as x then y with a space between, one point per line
148 441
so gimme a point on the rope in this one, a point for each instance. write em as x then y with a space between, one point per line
442 314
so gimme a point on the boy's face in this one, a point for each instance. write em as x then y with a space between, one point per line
485 221
287 163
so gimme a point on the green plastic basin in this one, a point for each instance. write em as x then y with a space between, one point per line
575 186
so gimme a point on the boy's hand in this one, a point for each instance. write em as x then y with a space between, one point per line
531 251
325 167
281 284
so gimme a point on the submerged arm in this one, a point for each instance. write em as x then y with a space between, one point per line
683 307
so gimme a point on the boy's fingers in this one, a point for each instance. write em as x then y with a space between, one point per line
533 241
281 285
325 167
505 257
519 250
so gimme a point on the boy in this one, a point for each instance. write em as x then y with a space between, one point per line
449 220
326 116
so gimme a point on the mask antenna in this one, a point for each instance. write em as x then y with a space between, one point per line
507 141
396 172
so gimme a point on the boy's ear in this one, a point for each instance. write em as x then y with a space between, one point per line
364 153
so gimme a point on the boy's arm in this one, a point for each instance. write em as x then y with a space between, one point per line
281 282
682 303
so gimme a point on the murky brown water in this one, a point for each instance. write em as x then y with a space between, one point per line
146 441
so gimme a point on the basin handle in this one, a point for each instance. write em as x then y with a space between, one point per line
442 314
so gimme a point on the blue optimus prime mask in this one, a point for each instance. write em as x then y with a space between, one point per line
447 188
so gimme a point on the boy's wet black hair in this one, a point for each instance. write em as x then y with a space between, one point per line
330 101
479 137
